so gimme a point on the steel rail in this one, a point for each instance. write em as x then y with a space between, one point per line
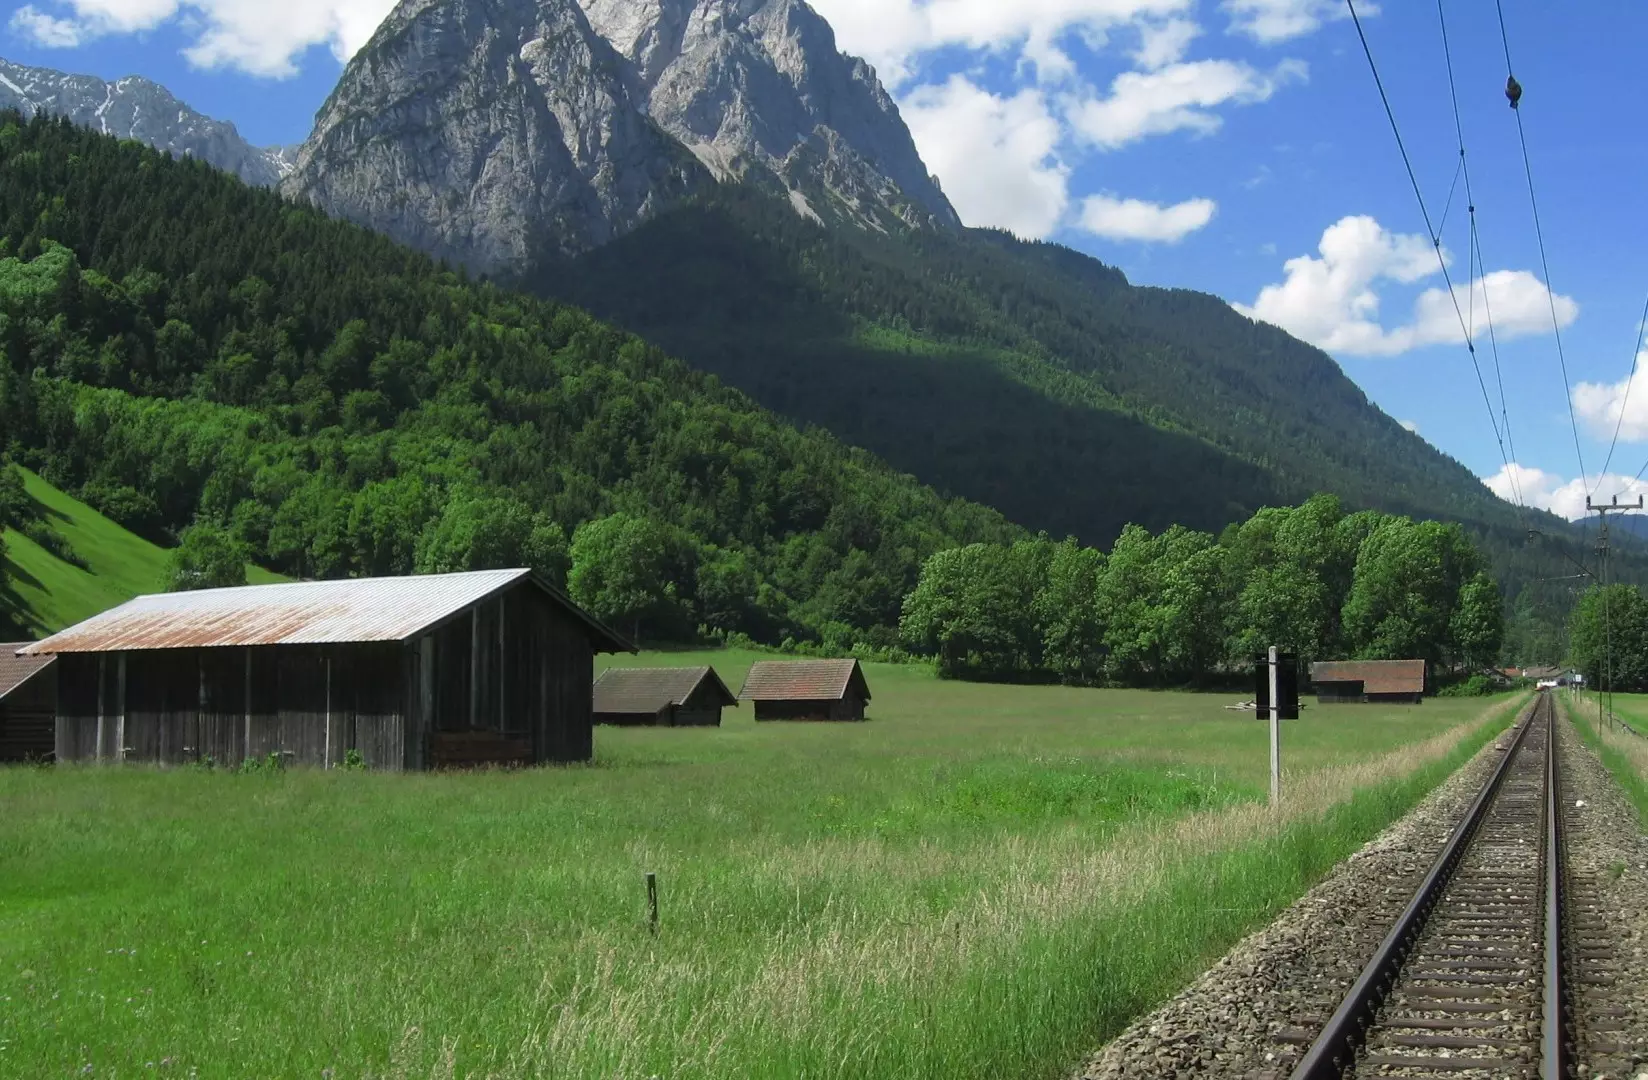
1552 1030
1335 1048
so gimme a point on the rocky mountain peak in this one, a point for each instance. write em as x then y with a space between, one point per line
499 132
136 108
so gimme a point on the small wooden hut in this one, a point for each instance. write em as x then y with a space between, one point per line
1389 681
28 705
806 690
494 666
661 697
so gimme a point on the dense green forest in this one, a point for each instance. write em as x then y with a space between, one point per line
1609 633
183 351
1182 606
1037 380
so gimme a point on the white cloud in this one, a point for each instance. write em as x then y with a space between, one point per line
255 36
1164 43
995 155
44 30
1409 425
1331 301
891 33
1600 405
1565 498
1270 21
1174 98
1135 219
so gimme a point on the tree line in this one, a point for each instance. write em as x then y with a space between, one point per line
1184 607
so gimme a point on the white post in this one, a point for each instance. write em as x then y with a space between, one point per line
1275 733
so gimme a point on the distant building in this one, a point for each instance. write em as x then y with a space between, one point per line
410 673
1393 681
661 697
28 706
806 690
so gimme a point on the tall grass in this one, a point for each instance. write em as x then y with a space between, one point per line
981 881
1625 753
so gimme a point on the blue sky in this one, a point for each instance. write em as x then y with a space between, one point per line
1233 146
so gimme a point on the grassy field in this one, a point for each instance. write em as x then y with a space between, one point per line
981 881
51 593
1625 753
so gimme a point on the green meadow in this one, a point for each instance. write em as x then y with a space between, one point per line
110 565
979 881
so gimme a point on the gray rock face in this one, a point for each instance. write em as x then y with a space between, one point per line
135 108
496 132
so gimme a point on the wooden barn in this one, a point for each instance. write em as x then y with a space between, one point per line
806 690
28 706
412 673
661 697
1391 681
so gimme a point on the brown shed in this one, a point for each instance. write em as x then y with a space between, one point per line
28 704
410 673
1369 680
661 697
806 690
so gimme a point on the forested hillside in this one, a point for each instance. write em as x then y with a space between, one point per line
182 348
1037 380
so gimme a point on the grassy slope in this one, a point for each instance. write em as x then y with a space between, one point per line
966 885
119 565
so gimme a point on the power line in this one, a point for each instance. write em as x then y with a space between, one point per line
1476 262
1539 234
1625 399
1436 243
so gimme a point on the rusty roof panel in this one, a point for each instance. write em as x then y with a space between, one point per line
16 670
647 690
802 680
1376 676
298 613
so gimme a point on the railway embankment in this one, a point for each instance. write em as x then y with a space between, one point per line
1465 996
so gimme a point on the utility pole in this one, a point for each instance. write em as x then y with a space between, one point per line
1602 510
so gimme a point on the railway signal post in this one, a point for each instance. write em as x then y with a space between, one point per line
1276 696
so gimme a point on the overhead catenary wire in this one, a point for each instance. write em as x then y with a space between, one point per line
1625 398
1476 269
1539 235
1436 244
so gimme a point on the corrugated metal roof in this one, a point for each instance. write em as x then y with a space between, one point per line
16 670
802 680
350 611
647 690
1376 676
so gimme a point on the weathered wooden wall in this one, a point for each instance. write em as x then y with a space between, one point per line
851 708
661 718
27 720
310 704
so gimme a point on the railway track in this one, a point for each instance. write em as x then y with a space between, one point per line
1470 980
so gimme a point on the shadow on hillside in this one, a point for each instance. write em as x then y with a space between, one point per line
17 619
730 300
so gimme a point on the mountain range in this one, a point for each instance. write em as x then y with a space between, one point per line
718 177
136 108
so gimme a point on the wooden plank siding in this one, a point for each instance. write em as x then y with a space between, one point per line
845 709
27 721
515 670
